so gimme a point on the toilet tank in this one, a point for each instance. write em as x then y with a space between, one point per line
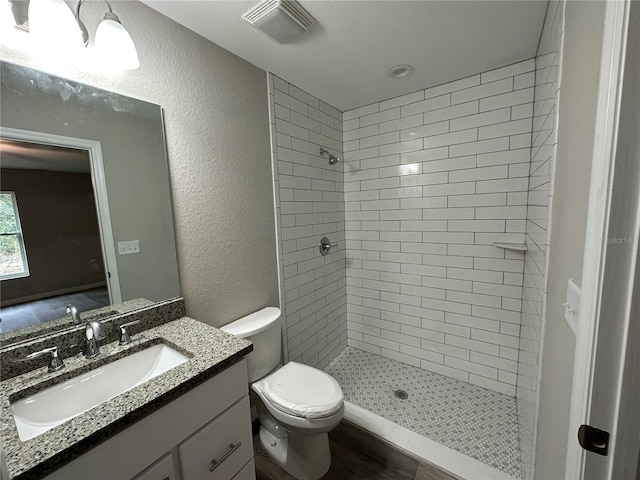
262 328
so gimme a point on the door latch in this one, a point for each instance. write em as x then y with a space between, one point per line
594 439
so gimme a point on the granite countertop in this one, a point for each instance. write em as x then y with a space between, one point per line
53 326
210 350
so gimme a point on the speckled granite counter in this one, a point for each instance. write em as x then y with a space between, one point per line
53 326
210 350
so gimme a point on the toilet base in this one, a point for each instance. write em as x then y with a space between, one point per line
306 457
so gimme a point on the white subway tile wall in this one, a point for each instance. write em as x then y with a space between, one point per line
429 181
432 179
309 201
543 151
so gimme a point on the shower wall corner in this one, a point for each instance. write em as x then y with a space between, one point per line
543 157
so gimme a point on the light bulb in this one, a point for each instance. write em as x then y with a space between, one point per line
7 21
114 45
54 28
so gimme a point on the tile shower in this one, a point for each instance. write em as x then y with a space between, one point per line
414 295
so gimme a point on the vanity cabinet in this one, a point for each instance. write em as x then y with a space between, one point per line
164 469
229 451
203 434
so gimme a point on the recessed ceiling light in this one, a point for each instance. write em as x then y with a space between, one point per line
400 71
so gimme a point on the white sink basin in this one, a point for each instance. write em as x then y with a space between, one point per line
55 405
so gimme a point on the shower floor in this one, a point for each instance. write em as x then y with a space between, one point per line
472 420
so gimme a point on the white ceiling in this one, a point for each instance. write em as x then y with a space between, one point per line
343 58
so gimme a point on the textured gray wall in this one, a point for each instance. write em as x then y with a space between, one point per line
217 127
60 230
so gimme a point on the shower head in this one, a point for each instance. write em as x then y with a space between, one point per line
332 158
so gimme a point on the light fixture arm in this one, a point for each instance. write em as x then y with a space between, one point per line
83 28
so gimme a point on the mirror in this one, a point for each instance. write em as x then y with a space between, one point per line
102 235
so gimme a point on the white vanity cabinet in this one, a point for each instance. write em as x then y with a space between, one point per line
208 454
164 469
203 434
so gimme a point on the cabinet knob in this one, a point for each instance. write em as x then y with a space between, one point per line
216 463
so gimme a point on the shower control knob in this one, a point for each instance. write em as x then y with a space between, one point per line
324 246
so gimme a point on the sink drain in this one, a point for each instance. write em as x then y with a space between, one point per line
401 394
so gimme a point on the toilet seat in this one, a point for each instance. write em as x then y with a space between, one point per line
301 391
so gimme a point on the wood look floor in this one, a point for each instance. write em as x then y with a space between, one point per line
356 455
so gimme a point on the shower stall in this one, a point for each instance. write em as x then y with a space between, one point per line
428 306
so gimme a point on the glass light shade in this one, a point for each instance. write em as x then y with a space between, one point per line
115 47
7 22
54 27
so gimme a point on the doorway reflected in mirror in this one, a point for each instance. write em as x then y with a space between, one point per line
50 246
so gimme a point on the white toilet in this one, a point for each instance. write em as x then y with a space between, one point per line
297 404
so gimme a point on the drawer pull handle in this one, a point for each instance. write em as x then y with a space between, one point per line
216 463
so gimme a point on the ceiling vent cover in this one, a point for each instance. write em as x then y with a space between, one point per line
281 20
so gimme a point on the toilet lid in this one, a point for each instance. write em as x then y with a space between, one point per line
302 391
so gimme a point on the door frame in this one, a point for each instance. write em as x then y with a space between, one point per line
98 180
598 216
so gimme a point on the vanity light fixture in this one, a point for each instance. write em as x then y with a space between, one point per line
58 30
112 42
7 20
54 28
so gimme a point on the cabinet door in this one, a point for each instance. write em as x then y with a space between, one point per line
163 469
221 448
247 473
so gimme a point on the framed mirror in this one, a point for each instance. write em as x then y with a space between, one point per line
85 203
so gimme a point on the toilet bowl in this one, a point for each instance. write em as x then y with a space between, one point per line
297 404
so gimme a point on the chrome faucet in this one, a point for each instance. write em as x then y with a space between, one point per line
93 333
73 312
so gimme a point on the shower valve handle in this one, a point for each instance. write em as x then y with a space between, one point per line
324 246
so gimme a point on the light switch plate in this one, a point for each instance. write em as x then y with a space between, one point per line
131 246
572 305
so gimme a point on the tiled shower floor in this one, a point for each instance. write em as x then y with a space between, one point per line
475 421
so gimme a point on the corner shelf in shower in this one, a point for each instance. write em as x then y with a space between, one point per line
519 247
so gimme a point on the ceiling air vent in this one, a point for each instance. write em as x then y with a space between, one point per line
281 20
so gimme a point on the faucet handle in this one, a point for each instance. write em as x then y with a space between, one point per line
56 362
125 338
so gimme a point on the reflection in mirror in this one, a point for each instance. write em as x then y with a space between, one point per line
50 245
85 208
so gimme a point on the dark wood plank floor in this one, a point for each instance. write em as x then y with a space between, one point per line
356 455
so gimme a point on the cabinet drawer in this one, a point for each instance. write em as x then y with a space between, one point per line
163 469
220 449
247 473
